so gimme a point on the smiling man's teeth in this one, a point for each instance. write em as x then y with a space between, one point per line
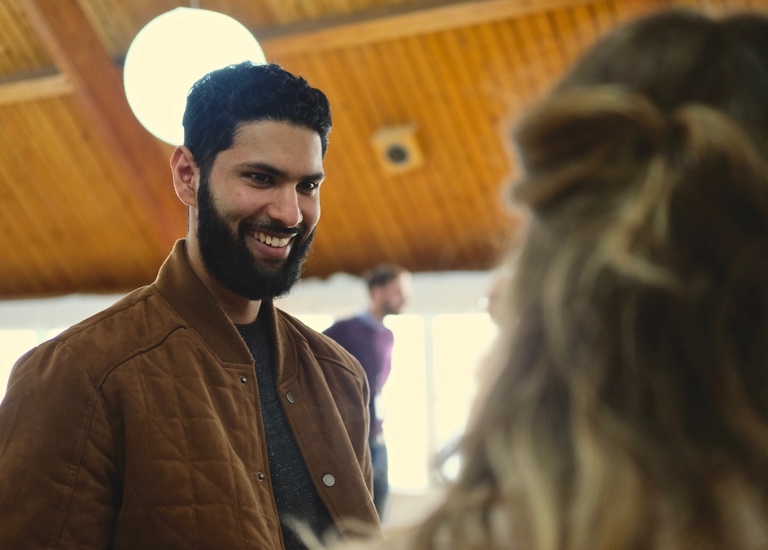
273 241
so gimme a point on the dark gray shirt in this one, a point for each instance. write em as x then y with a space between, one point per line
295 495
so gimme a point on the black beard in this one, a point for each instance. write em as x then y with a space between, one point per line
228 259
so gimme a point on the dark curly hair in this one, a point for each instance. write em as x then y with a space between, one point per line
224 99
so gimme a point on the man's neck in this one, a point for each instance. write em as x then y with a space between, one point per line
240 311
376 314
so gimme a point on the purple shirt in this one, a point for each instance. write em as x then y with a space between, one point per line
370 342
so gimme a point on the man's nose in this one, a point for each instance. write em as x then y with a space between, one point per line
284 206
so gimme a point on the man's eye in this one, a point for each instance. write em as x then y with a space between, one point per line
309 185
258 177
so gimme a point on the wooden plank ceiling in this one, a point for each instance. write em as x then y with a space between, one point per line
86 200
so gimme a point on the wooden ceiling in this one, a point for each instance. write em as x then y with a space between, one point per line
86 199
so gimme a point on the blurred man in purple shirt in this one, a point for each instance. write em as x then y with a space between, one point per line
366 337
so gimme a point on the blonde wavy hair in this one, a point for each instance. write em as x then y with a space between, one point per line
626 403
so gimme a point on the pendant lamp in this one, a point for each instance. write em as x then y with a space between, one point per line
170 54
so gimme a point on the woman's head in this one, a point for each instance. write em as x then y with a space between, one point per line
629 404
632 387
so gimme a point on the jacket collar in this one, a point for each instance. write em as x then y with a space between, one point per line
192 300
188 295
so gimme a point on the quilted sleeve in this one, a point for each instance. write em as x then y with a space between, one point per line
58 474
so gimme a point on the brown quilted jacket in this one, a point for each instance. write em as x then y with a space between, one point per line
141 428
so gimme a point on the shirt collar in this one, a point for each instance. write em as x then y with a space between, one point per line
369 319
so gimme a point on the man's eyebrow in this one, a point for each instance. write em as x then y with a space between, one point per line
277 172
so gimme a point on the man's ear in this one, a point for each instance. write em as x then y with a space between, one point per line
186 175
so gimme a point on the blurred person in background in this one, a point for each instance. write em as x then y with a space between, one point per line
626 405
368 340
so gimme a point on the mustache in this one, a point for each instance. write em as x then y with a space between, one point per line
273 228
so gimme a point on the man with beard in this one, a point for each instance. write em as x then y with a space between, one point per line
366 337
193 413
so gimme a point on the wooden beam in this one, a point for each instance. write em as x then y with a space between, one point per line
35 87
79 54
392 23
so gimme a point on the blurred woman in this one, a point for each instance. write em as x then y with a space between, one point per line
628 402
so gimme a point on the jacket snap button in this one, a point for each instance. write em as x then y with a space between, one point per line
329 480
260 476
290 397
243 380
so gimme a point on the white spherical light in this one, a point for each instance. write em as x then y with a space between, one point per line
170 54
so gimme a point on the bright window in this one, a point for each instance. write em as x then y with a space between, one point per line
407 430
460 343
428 395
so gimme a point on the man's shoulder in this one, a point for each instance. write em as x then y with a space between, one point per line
133 323
139 308
345 325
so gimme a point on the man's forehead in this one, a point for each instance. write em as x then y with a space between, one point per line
281 145
248 126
